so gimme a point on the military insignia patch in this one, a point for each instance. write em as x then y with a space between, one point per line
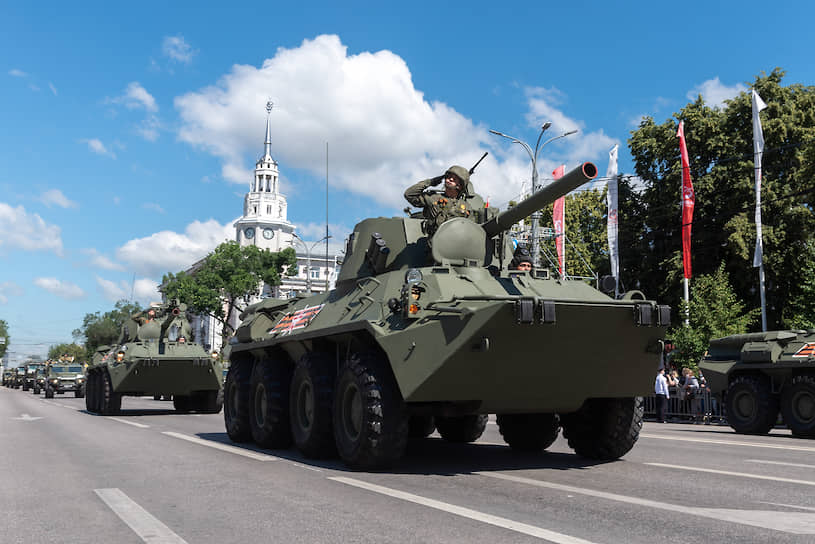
807 350
297 320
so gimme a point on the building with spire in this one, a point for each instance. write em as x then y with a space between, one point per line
264 224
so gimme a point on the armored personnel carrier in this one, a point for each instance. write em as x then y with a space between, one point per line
756 374
425 331
64 375
8 376
32 371
154 356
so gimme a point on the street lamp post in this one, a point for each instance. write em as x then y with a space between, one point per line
533 156
308 257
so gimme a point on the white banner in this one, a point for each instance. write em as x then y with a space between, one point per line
758 151
611 200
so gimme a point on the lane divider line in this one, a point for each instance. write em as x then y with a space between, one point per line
729 442
730 473
801 465
504 523
147 527
223 447
139 425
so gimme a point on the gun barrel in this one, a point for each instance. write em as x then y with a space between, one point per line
572 180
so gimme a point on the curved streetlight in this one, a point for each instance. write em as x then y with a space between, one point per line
533 156
308 257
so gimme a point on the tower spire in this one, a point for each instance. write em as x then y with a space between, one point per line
268 142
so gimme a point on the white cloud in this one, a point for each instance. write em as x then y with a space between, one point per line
97 260
17 73
19 229
315 231
168 251
96 145
714 92
9 289
56 198
382 133
149 128
137 96
113 291
53 89
153 206
62 289
34 87
178 49
146 290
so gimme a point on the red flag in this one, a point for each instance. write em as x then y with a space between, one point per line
559 220
688 200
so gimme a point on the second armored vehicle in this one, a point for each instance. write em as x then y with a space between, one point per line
32 370
64 375
758 374
154 356
425 331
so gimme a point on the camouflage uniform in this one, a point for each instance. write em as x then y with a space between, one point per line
438 207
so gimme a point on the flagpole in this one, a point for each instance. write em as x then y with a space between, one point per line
685 283
758 150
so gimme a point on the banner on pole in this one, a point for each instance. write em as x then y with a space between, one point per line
611 201
559 220
758 152
688 201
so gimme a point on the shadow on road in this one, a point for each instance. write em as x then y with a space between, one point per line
434 456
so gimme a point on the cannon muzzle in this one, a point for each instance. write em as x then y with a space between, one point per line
547 195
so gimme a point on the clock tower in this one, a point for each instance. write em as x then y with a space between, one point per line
264 222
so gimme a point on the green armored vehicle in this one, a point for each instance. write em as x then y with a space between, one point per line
756 374
8 377
155 356
39 380
64 375
19 377
425 331
32 371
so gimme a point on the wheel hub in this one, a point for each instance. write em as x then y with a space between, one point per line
803 404
745 405
305 405
260 405
351 416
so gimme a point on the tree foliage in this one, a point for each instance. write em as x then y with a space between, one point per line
73 350
720 145
101 329
227 278
714 311
4 336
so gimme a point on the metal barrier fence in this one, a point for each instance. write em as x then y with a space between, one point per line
704 408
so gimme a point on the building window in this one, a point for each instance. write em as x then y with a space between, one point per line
315 272
269 209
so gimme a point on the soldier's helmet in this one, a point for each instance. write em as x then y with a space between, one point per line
521 255
461 173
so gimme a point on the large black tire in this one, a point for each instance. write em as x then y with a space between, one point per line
209 402
269 419
311 401
798 406
49 392
90 385
110 401
604 429
370 419
236 402
36 389
751 406
79 392
421 426
462 429
182 403
529 432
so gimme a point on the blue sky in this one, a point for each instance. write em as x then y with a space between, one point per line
129 131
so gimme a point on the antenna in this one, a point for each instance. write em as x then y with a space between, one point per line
132 287
326 217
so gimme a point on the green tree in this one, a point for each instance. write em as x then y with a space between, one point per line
714 311
4 339
226 278
720 144
73 350
102 329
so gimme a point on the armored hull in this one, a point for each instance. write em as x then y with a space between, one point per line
439 332
759 375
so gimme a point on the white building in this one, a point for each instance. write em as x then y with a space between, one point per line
264 224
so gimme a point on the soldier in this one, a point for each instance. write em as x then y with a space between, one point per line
457 200
521 259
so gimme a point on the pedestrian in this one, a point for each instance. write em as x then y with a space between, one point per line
661 392
691 388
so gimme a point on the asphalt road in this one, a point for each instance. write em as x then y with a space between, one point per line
150 475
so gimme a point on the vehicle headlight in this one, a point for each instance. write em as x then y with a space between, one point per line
413 275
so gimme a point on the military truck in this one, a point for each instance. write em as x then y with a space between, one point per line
64 375
155 355
8 376
19 377
39 381
757 374
423 332
32 370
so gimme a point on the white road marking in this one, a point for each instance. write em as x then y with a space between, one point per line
147 527
739 474
788 522
778 463
26 417
729 442
788 505
139 425
504 523
223 447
